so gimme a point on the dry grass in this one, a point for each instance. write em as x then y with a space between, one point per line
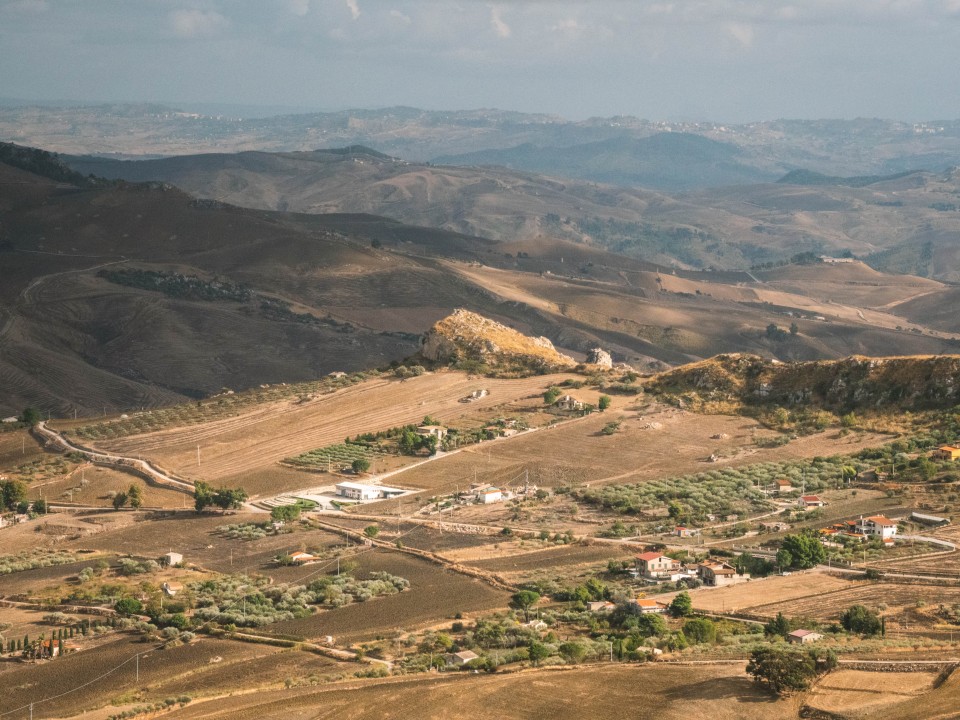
650 692
766 591
241 448
859 693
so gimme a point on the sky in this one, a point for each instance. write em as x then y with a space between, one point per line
721 60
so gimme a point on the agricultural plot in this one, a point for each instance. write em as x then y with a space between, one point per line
214 408
337 455
435 595
725 491
653 442
239 448
797 587
197 538
204 667
856 691
644 693
827 605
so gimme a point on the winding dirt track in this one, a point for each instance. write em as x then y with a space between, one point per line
269 433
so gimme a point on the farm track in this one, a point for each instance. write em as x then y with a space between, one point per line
137 466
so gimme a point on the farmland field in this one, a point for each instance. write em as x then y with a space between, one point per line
255 440
654 441
193 669
435 595
641 692
777 589
856 691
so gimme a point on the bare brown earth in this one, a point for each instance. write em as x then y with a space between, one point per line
435 595
637 692
204 667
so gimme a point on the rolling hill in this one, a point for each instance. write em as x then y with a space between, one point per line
902 223
119 295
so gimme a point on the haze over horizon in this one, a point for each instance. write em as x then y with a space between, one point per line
723 60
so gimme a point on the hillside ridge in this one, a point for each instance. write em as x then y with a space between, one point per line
855 382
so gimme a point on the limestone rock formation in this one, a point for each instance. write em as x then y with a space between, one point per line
465 336
598 356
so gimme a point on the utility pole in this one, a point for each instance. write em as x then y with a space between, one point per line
138 668
198 456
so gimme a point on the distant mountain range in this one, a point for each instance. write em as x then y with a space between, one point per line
906 222
620 150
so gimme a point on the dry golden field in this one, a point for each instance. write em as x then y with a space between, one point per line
238 448
860 694
641 692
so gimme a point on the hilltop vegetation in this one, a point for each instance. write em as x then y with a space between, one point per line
905 383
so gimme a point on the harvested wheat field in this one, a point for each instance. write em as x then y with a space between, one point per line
664 693
827 604
940 703
856 693
237 447
751 596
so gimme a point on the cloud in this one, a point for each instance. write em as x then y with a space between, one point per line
300 7
499 26
197 23
740 32
405 19
354 9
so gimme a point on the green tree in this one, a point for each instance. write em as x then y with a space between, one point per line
13 493
360 465
285 513
229 499
778 626
782 671
700 631
805 550
30 416
859 619
371 531
573 651
681 605
784 559
538 652
551 395
603 403
119 500
524 600
794 329
135 495
40 506
128 606
202 495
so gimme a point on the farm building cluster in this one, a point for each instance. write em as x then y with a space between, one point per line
655 567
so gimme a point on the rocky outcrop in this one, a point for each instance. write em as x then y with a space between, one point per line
599 357
465 337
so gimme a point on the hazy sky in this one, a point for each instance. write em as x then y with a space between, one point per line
728 60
